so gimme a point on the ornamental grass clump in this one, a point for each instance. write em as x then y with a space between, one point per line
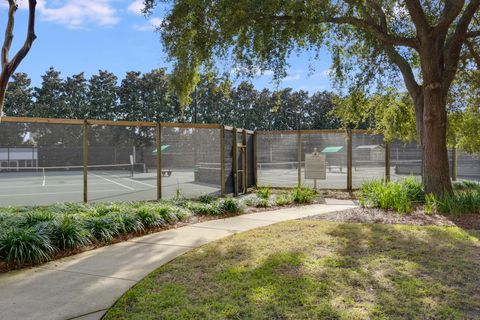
303 195
400 196
26 245
69 232
230 206
264 192
458 203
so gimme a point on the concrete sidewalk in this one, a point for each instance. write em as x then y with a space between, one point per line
84 286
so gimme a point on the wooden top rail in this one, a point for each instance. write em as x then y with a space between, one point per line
167 125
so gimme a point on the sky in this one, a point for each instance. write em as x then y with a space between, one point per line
88 35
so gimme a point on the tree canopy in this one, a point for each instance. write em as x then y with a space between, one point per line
373 42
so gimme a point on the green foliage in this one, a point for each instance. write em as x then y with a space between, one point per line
25 245
202 208
283 199
400 196
466 185
391 113
229 205
264 192
149 217
207 198
68 232
303 195
263 203
458 203
102 229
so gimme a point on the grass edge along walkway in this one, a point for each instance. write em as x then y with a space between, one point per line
84 286
309 269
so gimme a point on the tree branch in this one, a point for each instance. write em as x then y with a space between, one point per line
473 34
23 51
454 44
373 28
7 42
408 77
451 10
418 17
475 55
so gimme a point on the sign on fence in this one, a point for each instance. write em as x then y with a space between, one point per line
315 166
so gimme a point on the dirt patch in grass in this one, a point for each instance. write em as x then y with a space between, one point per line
417 217
309 269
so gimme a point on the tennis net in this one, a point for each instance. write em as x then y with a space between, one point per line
123 170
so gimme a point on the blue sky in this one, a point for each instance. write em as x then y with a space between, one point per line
88 35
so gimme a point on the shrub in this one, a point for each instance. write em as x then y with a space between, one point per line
229 205
456 203
207 198
203 208
68 232
33 217
466 185
283 199
264 192
103 229
303 195
399 196
263 203
127 222
149 217
25 245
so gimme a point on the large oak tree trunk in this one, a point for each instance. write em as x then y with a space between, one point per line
436 169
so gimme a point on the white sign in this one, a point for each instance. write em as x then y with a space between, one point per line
131 159
315 166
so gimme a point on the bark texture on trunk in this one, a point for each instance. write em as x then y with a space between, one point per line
433 119
436 168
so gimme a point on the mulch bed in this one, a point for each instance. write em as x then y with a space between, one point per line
417 217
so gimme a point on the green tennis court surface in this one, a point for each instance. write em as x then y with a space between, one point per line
42 187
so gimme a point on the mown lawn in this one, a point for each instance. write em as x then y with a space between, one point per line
317 270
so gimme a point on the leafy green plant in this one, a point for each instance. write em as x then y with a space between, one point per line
68 232
263 203
102 229
456 203
33 217
264 192
466 185
283 199
207 198
229 205
203 208
303 195
127 222
149 218
399 196
25 245
430 203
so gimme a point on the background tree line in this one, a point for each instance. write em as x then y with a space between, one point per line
149 97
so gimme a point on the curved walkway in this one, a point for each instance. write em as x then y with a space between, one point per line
84 286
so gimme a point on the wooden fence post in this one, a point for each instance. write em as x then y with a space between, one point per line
222 160
387 161
454 163
235 163
159 161
255 169
349 160
85 161
299 159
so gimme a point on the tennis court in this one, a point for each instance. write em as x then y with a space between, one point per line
42 186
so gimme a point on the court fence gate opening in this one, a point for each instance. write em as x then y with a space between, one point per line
45 161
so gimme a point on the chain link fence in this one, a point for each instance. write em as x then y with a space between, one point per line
44 161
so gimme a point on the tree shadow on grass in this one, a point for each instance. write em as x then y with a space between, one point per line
413 272
317 270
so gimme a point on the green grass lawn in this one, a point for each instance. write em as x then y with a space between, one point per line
317 270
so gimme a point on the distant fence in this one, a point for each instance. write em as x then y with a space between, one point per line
43 161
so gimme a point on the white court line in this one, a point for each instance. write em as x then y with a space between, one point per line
129 179
45 193
117 183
